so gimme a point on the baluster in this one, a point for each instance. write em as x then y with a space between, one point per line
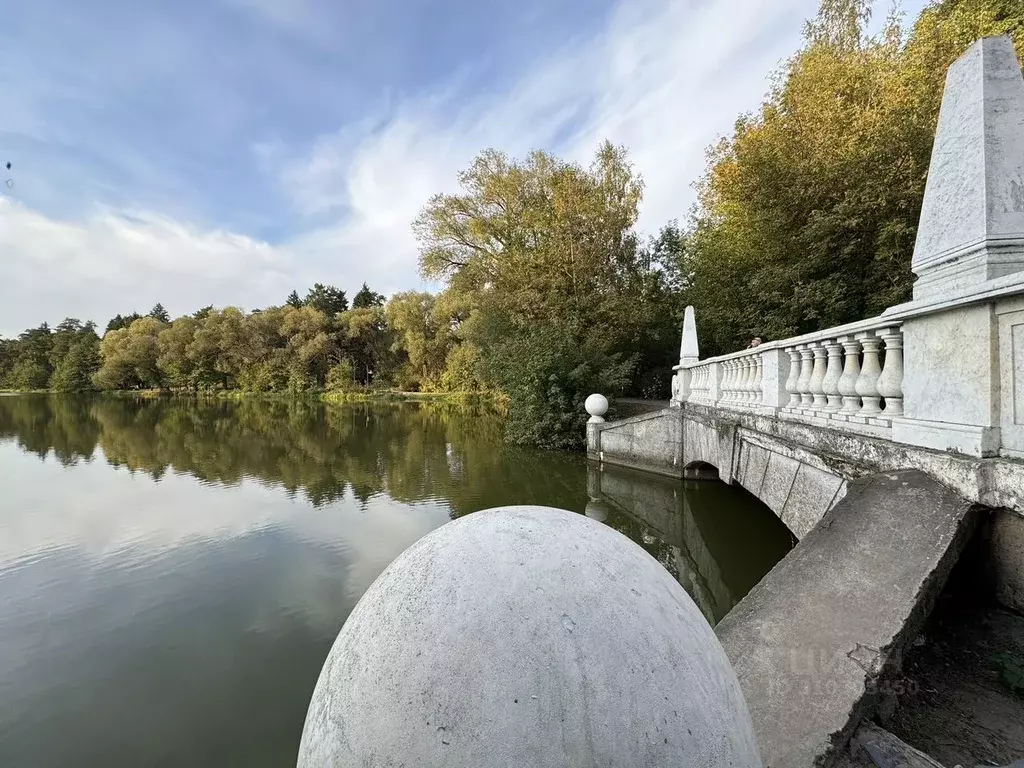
804 382
748 392
730 381
833 371
794 377
870 370
758 376
890 383
817 377
851 370
741 380
737 384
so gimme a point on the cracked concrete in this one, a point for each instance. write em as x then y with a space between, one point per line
813 643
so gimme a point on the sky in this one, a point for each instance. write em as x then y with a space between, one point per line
227 151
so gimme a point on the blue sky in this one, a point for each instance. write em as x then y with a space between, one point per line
227 151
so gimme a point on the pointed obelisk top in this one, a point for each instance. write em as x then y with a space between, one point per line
688 351
972 219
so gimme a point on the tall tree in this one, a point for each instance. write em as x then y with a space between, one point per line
32 366
807 213
75 356
117 322
546 252
326 299
129 356
367 298
159 313
294 300
421 335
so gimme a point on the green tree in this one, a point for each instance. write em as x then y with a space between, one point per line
326 299
129 356
118 322
294 300
419 334
549 283
159 313
341 377
30 363
368 343
74 356
216 352
173 351
367 298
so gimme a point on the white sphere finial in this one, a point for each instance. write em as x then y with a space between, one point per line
527 636
597 407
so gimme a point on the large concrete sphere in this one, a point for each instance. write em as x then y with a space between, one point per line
527 636
596 405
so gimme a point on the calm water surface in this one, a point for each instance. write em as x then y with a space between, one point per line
173 573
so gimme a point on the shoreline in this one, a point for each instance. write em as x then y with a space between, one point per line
355 396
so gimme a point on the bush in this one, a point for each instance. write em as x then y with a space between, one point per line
547 374
341 377
464 370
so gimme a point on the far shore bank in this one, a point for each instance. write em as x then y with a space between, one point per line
353 396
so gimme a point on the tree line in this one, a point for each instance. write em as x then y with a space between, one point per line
805 218
316 343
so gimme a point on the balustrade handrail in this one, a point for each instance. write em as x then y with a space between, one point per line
869 324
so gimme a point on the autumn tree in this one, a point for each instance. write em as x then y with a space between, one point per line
547 253
129 356
807 213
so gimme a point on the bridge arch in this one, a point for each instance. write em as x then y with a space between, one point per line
700 470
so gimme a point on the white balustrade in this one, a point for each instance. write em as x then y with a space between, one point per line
851 378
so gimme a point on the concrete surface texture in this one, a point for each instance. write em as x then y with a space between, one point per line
972 219
791 465
1006 550
814 641
526 636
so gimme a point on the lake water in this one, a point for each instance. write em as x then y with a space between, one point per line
173 573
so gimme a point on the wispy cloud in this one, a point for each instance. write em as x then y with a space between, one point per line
271 163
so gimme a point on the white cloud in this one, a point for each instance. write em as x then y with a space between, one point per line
664 77
119 261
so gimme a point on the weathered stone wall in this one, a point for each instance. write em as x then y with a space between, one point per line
1006 549
651 441
794 484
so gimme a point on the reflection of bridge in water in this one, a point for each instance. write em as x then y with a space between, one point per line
718 544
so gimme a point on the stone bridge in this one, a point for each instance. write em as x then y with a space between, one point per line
882 444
